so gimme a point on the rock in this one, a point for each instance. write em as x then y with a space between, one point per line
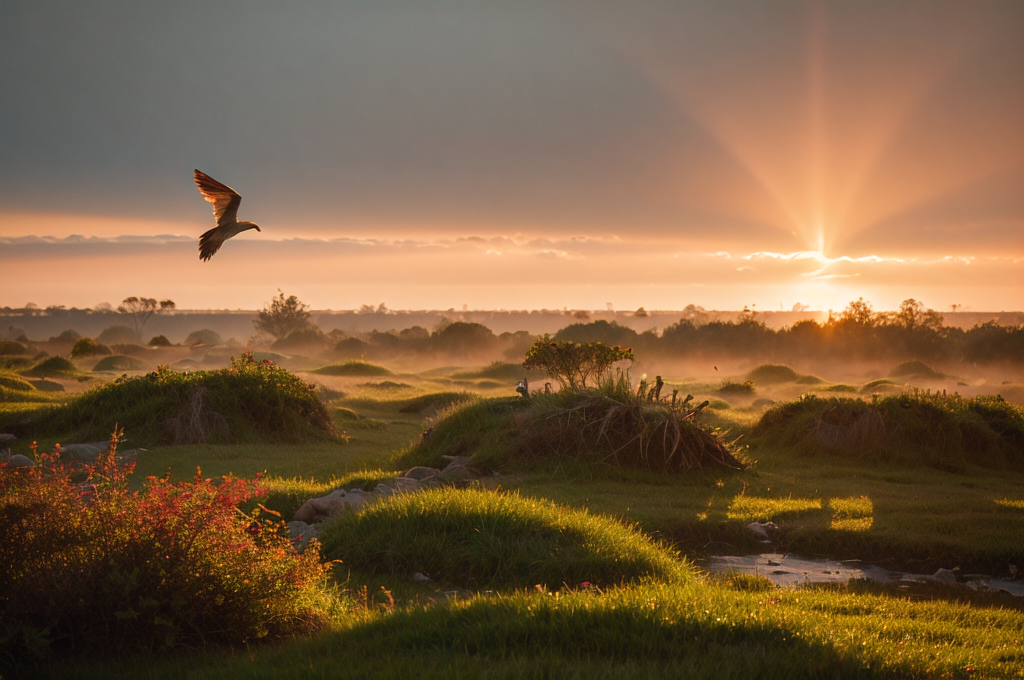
766 532
334 503
420 577
455 460
455 473
301 533
80 453
20 461
7 439
405 484
944 576
419 473
383 491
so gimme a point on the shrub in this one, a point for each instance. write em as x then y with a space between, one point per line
203 336
573 363
936 430
93 568
359 368
249 401
769 374
159 341
69 335
483 539
117 335
303 340
87 347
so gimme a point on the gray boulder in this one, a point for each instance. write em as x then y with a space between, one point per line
80 453
334 503
420 473
20 461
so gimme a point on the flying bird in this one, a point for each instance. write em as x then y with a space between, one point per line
225 210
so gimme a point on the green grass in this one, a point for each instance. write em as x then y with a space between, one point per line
483 539
606 426
352 368
883 511
500 370
692 629
937 430
249 402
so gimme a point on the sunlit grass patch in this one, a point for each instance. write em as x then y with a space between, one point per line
760 509
483 539
852 514
287 494
356 368
1017 503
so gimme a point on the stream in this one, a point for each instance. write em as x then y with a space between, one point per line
793 571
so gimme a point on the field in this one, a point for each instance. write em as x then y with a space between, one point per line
598 609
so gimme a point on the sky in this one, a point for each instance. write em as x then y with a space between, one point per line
509 155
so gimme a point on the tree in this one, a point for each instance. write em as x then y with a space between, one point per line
138 310
573 363
282 316
859 313
912 316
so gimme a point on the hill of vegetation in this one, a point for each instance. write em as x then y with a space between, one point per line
932 429
247 402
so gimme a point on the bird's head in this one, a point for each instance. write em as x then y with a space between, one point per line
249 225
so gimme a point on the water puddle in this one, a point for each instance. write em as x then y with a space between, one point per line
792 571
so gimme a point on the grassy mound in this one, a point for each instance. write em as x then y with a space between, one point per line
809 380
609 425
483 539
435 402
916 369
14 382
120 362
248 402
54 366
880 385
499 370
771 374
13 347
935 430
357 368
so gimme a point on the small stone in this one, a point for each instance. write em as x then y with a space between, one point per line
7 439
944 576
420 577
20 461
80 453
454 473
420 473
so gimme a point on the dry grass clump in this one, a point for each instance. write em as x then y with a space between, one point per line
771 374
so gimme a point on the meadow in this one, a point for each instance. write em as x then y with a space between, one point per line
559 561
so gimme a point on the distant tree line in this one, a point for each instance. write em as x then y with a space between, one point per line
857 333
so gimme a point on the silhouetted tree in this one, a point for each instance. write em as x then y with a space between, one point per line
138 310
282 316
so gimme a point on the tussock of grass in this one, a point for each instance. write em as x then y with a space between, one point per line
839 388
11 381
809 380
609 425
736 388
286 495
120 362
53 366
483 539
352 368
945 432
772 374
248 402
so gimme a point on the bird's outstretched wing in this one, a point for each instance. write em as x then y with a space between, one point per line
225 200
